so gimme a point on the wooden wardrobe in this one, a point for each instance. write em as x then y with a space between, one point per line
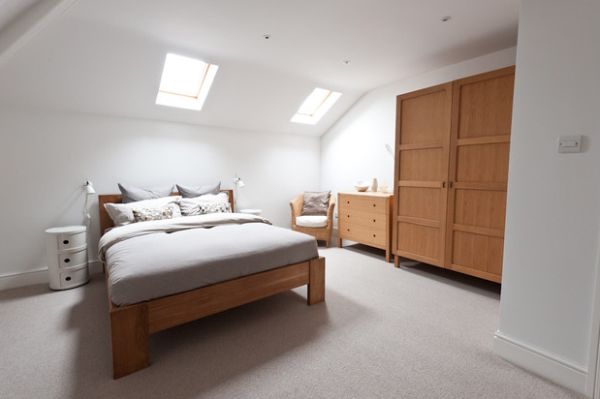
451 174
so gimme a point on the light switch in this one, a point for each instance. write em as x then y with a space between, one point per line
569 144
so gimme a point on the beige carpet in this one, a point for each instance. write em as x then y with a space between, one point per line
383 333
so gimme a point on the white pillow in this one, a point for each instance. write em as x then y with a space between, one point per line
122 214
208 203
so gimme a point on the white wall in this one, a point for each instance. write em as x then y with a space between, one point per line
354 148
552 232
45 158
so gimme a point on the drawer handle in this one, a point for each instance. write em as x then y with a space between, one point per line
348 202
65 242
348 215
67 260
374 220
374 205
68 278
347 229
374 235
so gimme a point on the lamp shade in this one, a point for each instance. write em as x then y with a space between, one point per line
238 181
89 188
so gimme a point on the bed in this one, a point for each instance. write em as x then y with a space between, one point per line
161 274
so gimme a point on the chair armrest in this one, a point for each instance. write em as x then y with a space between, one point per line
296 207
330 211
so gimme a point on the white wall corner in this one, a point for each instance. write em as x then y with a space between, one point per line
37 276
542 363
592 386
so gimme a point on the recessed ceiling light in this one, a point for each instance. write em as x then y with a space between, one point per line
185 82
267 36
315 106
346 61
446 18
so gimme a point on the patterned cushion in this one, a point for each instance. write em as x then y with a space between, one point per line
147 214
122 214
209 203
207 207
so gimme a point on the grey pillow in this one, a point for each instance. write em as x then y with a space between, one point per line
316 203
192 192
133 194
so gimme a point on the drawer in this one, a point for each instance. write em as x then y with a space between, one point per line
71 241
369 220
72 259
379 205
74 277
353 232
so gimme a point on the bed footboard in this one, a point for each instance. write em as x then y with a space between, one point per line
132 325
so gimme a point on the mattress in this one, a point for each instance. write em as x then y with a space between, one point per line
149 260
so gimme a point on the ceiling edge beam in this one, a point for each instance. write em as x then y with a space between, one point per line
28 24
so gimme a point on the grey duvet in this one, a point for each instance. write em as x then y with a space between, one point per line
149 260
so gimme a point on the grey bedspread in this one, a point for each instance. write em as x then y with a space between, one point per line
153 259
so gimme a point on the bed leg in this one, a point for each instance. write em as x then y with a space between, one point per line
129 330
316 281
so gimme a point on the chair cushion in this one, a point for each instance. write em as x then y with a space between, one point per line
315 203
311 221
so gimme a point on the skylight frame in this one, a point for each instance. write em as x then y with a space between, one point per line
172 91
315 106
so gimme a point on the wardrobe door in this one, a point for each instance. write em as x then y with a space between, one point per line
481 123
421 171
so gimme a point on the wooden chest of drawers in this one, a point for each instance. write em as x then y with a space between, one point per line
366 218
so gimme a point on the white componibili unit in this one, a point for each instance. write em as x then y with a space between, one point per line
66 249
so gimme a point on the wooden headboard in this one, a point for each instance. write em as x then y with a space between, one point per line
105 220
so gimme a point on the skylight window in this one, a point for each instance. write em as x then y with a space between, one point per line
185 82
315 106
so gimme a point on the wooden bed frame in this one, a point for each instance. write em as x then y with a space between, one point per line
131 325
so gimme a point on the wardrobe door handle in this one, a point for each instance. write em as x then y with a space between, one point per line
443 184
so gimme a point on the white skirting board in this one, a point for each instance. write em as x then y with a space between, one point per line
541 363
36 276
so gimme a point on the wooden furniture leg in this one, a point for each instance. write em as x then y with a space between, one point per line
129 330
396 261
339 242
316 281
387 255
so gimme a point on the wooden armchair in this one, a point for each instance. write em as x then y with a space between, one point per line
322 233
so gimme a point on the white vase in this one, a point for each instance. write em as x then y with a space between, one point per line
374 185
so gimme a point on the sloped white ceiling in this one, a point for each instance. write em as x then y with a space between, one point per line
11 9
106 56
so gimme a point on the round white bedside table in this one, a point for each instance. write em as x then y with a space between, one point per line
66 251
251 211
